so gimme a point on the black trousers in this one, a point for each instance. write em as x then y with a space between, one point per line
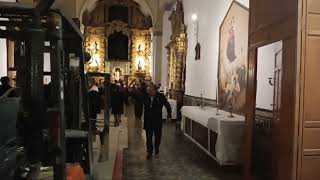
157 132
138 110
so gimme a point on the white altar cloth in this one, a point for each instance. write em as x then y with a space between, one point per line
230 136
200 115
229 130
173 104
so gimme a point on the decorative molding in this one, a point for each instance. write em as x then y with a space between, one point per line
177 53
117 26
95 35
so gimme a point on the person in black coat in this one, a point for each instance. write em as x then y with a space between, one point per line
153 104
138 96
94 105
117 100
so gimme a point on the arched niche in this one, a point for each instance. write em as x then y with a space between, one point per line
122 30
118 47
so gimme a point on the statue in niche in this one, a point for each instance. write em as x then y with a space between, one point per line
198 49
231 52
139 65
117 75
95 48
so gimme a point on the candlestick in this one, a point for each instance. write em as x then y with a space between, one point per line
217 101
230 109
202 102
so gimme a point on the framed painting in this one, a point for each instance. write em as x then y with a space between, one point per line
233 59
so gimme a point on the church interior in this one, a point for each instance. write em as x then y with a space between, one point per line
233 80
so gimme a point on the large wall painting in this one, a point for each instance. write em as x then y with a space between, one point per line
233 59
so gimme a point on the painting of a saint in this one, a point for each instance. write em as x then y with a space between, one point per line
233 59
231 54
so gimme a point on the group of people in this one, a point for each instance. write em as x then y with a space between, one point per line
147 101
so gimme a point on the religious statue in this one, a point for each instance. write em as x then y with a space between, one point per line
198 50
95 50
139 65
140 48
117 75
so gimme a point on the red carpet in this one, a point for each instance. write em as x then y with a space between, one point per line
117 171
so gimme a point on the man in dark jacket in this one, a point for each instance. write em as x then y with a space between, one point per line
153 104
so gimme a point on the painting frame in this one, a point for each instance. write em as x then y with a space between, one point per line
233 59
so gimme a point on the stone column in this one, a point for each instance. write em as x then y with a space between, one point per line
157 56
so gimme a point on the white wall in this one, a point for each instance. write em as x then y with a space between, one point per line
201 75
265 70
3 57
165 41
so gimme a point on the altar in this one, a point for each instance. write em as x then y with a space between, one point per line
218 135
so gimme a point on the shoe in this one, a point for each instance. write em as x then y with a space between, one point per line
149 156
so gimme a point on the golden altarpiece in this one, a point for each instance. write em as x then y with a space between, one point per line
122 18
176 54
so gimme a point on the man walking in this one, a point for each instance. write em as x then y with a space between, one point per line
153 118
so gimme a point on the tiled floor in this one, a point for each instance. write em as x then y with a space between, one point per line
179 158
117 141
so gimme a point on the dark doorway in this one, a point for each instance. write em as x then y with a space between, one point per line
118 45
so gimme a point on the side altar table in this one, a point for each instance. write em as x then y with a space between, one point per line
218 135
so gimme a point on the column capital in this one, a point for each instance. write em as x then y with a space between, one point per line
156 31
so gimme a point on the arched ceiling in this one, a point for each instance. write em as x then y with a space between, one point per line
90 5
154 8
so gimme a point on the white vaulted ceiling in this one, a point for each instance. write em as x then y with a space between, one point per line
154 8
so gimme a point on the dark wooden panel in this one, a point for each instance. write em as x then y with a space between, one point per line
270 12
311 138
285 135
213 141
313 24
187 127
271 21
310 168
250 114
312 64
313 6
200 134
